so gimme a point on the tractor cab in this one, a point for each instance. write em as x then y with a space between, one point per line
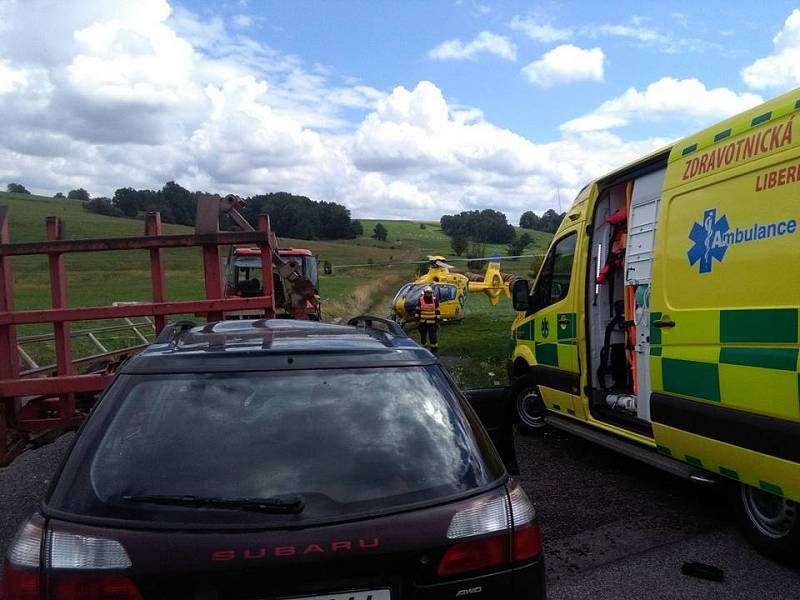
244 277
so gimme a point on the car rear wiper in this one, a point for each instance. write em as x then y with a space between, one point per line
291 504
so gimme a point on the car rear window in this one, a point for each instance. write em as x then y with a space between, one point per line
347 440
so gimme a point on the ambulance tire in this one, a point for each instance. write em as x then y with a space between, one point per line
770 523
529 407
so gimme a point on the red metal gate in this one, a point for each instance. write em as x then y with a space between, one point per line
33 406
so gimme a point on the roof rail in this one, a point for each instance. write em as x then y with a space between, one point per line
384 325
173 331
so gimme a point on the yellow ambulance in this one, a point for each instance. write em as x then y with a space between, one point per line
663 322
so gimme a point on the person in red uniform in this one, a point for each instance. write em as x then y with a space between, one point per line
428 314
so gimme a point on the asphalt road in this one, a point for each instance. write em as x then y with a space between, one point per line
614 528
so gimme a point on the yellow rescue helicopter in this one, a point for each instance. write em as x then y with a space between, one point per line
450 288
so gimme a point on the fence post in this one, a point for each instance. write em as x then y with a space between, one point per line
266 265
152 226
9 366
9 360
58 299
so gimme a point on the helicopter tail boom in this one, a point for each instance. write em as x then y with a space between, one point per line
492 283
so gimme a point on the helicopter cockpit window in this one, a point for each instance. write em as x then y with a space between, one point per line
445 292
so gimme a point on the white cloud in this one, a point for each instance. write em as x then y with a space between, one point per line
484 42
10 78
636 32
667 98
540 30
782 68
134 94
566 64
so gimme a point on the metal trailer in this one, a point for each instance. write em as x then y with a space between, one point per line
38 405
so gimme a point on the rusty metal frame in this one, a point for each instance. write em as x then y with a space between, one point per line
30 406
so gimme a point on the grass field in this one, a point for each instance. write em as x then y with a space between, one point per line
409 236
473 349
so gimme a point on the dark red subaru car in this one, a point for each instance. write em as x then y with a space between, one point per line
283 460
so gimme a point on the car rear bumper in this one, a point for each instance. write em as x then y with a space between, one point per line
521 583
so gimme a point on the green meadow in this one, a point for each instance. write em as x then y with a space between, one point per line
474 349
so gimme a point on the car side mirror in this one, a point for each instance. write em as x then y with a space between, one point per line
520 295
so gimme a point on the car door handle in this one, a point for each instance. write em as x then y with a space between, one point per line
665 322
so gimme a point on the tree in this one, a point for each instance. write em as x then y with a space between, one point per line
127 201
16 188
551 221
180 203
488 226
59 195
459 244
357 228
103 206
476 251
79 194
518 245
303 218
379 232
529 220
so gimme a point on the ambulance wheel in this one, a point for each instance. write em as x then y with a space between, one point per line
529 407
770 522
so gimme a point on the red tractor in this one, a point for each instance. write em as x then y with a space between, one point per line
244 278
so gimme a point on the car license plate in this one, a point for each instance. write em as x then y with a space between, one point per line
365 595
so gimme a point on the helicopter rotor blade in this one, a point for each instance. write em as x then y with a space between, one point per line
426 262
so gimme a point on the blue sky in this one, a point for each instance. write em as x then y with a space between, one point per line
385 44
396 109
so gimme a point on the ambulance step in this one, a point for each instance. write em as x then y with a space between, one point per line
632 449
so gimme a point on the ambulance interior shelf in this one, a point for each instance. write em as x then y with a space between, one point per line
618 317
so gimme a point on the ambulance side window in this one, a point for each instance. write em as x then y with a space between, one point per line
553 283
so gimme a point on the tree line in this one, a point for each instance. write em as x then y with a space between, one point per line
484 226
549 222
290 215
79 194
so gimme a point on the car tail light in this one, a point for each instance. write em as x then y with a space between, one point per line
492 532
474 555
77 567
527 536
91 586
20 580
81 567
73 551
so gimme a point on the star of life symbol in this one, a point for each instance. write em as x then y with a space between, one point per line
545 327
709 240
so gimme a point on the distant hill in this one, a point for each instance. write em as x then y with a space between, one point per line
103 277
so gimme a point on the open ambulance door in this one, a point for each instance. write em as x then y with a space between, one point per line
550 331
